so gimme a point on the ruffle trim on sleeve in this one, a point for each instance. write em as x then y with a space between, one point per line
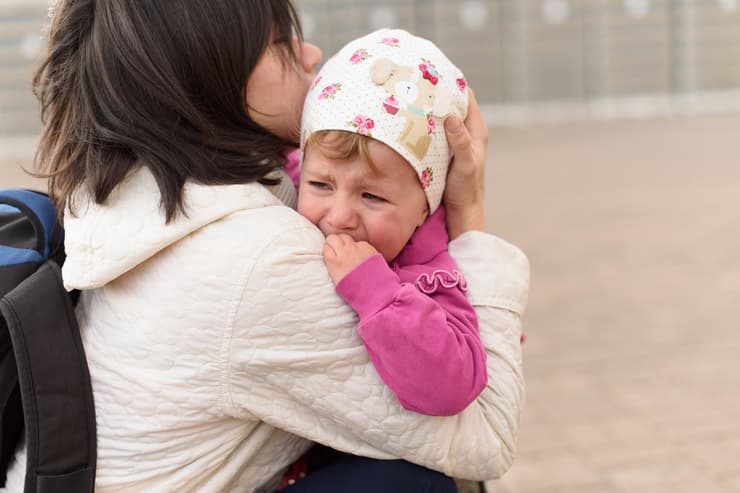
440 278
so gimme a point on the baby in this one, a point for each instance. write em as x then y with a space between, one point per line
373 169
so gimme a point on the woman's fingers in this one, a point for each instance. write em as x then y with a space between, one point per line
458 137
469 142
464 193
475 123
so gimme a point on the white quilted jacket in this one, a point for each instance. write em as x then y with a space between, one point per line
218 347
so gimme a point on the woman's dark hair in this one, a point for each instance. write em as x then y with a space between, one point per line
161 84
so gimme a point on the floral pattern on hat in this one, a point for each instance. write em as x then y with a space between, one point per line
316 82
362 124
330 91
359 56
431 124
427 177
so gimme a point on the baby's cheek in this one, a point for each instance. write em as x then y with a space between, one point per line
308 209
301 208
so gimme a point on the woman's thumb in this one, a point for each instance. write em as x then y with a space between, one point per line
457 135
453 124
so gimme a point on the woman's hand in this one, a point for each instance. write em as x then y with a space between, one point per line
464 193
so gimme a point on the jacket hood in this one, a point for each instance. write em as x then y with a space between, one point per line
105 241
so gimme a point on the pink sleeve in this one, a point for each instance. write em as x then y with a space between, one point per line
292 167
425 347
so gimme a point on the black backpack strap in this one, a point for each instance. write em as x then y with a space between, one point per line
55 385
11 410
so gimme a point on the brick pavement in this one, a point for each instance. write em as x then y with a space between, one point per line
631 363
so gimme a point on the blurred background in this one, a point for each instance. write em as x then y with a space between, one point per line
615 164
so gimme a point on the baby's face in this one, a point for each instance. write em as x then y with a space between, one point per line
382 207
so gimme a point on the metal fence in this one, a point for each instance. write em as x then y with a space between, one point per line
515 53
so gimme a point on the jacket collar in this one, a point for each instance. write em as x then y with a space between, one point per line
104 241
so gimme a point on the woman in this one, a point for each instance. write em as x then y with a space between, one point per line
217 346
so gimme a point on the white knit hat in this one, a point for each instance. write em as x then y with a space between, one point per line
396 88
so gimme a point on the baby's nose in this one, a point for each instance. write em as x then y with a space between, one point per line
342 217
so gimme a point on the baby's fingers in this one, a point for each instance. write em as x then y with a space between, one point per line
339 242
329 253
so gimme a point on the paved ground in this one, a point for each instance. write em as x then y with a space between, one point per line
631 363
632 359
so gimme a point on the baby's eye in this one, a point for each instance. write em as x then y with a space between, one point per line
374 198
320 185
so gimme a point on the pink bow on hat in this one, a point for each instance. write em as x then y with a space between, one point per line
430 73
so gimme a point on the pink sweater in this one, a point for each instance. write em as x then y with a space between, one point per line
418 327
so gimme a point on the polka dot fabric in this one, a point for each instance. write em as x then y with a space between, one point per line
396 88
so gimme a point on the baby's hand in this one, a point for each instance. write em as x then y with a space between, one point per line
342 254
